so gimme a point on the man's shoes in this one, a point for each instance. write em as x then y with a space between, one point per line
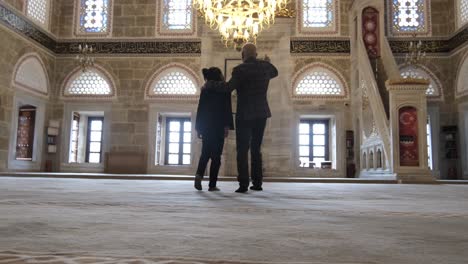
198 181
256 188
214 189
242 190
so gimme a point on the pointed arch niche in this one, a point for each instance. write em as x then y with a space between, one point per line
462 77
173 81
95 84
435 90
31 76
319 81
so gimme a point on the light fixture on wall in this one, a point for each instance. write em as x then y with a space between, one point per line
84 57
239 21
415 54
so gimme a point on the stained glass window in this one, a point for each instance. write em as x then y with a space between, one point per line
463 11
25 132
418 73
174 83
89 83
177 14
317 13
38 10
94 16
409 15
319 81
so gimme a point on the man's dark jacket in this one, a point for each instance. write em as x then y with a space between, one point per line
251 79
214 112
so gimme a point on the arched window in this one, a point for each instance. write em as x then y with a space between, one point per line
30 75
92 83
173 81
462 12
371 160
417 72
38 11
318 16
410 16
320 81
462 78
93 17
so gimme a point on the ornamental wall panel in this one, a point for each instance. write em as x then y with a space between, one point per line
30 75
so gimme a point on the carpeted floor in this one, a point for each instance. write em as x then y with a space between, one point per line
118 221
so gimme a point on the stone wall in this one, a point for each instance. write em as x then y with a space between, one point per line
12 47
129 124
138 18
17 4
442 17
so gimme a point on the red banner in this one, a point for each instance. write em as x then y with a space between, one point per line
408 135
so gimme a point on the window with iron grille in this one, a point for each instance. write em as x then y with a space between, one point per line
314 142
178 141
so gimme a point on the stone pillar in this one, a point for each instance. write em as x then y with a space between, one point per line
408 118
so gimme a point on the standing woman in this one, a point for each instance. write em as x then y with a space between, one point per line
214 120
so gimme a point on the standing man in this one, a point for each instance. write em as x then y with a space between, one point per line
250 79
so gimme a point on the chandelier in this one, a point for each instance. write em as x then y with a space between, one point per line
239 21
84 58
415 54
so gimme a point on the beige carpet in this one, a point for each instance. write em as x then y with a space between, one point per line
114 221
12 257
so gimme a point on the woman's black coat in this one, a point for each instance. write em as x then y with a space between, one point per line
214 112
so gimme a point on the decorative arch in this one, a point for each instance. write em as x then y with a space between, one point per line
364 161
319 81
379 159
173 81
371 160
462 77
94 83
30 75
435 90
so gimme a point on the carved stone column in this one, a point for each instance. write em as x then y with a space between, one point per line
408 119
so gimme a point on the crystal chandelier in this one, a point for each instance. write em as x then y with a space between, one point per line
415 54
84 58
239 21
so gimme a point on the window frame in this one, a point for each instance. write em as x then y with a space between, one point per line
163 31
334 29
425 31
311 122
22 98
31 132
460 23
89 141
181 141
46 24
76 117
77 21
